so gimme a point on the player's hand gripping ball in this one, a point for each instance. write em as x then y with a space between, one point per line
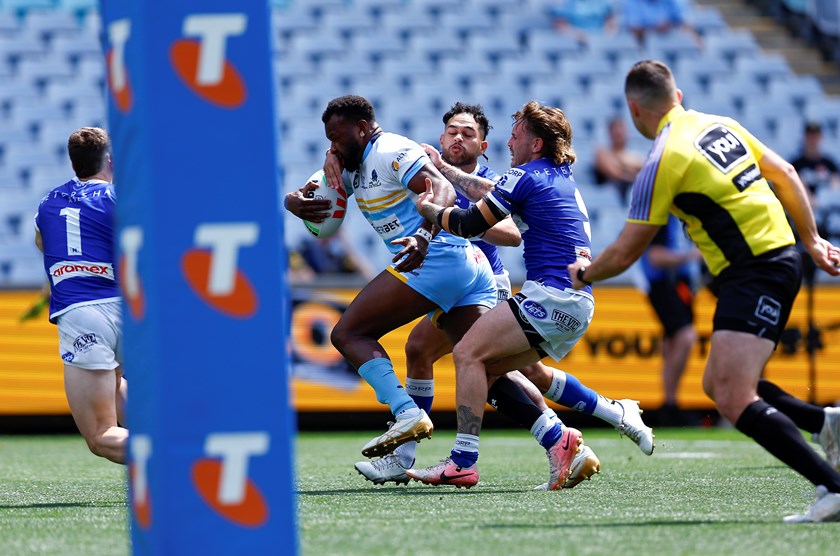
339 206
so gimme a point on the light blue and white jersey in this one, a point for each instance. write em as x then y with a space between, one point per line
76 222
381 188
543 200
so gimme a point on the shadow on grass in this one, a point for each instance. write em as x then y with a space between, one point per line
112 504
602 524
405 491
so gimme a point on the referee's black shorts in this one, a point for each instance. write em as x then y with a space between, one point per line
757 296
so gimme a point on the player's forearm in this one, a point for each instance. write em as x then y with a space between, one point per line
472 187
794 199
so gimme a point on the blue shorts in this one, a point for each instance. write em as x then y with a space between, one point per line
452 276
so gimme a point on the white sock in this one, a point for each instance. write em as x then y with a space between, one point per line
552 415
466 443
409 413
407 453
608 410
558 384
420 387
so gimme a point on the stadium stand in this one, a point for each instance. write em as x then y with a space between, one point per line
412 59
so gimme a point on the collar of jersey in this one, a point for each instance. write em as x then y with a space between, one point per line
369 146
87 182
672 115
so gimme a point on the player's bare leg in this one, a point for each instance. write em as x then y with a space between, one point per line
91 395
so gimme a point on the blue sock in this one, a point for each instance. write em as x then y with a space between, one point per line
568 391
379 373
465 452
551 436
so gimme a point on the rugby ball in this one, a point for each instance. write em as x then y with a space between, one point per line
339 206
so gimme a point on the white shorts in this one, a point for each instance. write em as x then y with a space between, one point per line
89 336
503 289
554 320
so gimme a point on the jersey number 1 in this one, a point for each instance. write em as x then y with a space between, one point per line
74 230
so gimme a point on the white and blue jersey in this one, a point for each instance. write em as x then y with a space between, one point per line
490 250
454 273
543 200
76 223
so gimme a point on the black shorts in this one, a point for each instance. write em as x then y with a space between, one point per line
672 301
757 296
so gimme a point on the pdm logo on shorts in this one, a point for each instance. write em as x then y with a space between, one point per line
118 80
131 240
212 270
222 479
202 64
535 309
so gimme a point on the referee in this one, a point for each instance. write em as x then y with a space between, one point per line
715 176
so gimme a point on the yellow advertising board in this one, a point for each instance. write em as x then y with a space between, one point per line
619 356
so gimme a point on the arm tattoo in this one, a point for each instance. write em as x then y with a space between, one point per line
468 422
472 187
430 212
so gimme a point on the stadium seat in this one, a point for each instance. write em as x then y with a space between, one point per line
22 43
702 69
76 46
41 68
799 90
290 69
764 67
290 22
436 45
586 69
608 92
9 22
525 70
496 46
349 22
25 5
730 45
347 70
557 91
407 69
671 46
706 20
612 45
554 46
318 46
379 46
473 67
480 23
740 90
50 23
412 20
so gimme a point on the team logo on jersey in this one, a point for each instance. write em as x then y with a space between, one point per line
535 309
722 147
68 357
84 343
213 272
768 309
222 479
201 63
118 79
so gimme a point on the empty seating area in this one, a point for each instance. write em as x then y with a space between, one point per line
412 59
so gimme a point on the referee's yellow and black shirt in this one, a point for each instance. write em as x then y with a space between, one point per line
704 169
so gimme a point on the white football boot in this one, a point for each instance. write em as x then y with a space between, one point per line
633 427
401 431
829 436
383 470
825 509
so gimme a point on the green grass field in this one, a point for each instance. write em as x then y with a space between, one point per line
704 491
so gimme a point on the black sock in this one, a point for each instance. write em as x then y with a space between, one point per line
509 399
807 416
778 434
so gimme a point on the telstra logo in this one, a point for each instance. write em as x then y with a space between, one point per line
118 80
201 63
222 479
131 240
212 269
141 451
